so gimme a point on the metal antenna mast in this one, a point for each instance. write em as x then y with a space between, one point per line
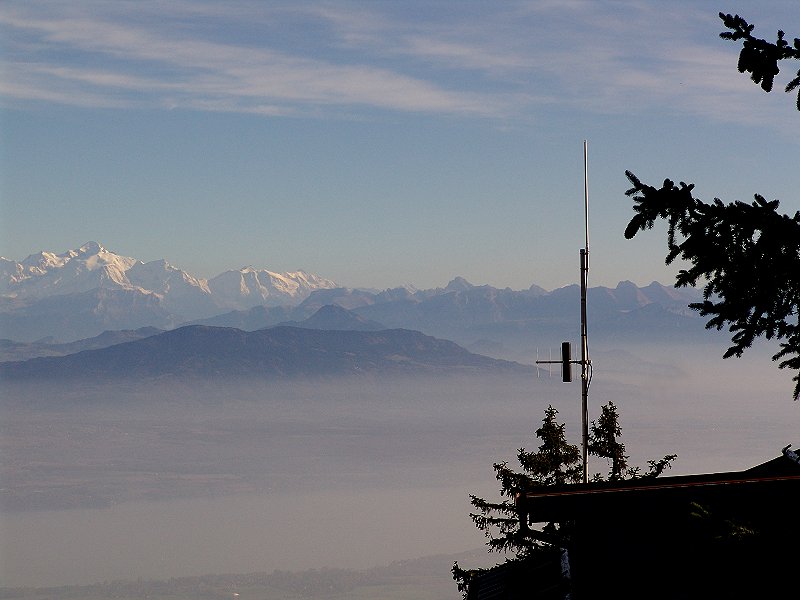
585 362
566 352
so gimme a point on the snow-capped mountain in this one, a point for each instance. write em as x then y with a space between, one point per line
48 274
181 294
249 287
174 293
92 266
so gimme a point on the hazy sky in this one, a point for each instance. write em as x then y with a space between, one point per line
379 143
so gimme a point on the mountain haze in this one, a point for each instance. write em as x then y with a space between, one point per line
17 351
72 317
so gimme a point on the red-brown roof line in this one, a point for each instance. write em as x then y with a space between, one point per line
657 486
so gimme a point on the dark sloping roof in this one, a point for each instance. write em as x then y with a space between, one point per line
756 488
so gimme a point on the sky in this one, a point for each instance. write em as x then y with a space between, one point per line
379 143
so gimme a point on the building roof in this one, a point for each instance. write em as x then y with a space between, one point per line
754 488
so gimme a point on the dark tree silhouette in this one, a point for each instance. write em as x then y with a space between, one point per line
556 462
759 57
604 441
747 255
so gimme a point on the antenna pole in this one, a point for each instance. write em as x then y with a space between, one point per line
585 363
566 356
586 198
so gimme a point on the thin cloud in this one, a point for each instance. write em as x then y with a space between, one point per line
216 73
510 63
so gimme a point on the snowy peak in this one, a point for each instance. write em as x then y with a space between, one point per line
47 274
42 261
249 287
309 280
91 266
182 294
161 277
91 248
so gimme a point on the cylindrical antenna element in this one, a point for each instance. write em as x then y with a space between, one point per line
566 362
586 198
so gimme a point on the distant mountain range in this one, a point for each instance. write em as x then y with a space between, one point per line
198 351
502 322
60 298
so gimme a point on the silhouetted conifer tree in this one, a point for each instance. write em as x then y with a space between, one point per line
747 255
759 57
604 442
